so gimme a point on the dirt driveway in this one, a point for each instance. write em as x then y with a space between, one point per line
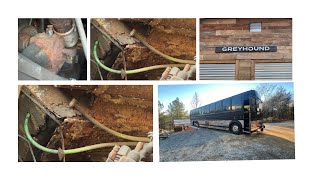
202 144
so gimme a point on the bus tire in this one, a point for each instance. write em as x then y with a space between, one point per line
236 128
198 125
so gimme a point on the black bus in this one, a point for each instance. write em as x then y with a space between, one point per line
239 113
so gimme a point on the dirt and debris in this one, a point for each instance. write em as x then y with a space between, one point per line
173 37
116 30
126 109
53 99
203 144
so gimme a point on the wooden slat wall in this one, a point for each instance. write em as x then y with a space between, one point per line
235 32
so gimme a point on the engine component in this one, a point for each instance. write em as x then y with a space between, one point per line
61 25
143 152
174 73
28 68
24 37
46 50
146 154
54 49
67 29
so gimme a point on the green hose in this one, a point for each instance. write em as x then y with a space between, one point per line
70 151
135 71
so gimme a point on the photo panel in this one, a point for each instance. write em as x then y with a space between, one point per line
223 122
143 49
246 49
52 49
85 123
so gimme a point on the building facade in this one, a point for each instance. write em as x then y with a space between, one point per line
246 49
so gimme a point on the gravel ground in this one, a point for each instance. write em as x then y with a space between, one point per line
202 144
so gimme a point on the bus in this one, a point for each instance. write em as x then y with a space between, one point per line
238 114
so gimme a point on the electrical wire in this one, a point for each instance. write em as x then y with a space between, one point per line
69 151
98 68
170 58
135 71
31 150
19 158
74 104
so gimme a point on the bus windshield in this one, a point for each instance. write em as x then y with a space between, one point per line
258 104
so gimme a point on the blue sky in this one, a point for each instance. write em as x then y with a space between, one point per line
208 93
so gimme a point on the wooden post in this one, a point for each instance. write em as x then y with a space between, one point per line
237 70
252 69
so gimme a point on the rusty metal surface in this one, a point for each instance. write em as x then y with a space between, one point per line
61 25
139 20
175 45
180 23
185 23
24 37
126 109
115 29
52 99
52 47
86 88
142 92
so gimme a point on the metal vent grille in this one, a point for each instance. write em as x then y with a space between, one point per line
276 71
217 71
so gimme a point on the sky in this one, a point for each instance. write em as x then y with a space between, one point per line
208 93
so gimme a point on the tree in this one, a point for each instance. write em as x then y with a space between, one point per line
277 103
176 110
164 120
195 102
160 107
266 90
281 102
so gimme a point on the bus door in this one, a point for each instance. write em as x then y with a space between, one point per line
253 113
246 118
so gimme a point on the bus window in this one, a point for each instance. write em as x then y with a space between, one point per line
253 104
218 106
206 109
227 104
237 102
212 108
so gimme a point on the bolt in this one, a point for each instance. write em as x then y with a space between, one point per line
50 30
133 32
72 103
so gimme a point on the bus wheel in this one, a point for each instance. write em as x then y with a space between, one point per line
235 128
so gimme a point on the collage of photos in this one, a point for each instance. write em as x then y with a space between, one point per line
237 105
